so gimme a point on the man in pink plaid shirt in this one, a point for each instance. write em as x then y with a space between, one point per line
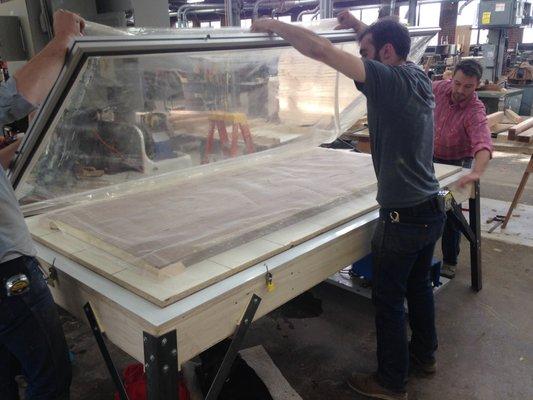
462 135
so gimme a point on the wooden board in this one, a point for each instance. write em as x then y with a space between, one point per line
159 245
521 127
526 136
495 118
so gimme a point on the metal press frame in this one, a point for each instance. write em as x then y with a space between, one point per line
161 350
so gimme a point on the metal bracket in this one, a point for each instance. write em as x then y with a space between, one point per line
471 230
119 385
161 366
454 211
233 349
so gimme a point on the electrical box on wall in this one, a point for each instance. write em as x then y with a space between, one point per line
503 13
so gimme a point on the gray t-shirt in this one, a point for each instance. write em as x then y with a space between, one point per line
15 239
400 106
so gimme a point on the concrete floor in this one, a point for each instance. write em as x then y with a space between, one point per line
485 339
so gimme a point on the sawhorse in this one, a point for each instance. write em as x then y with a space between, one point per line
161 358
217 120
471 230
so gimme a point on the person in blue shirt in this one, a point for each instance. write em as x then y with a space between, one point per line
31 337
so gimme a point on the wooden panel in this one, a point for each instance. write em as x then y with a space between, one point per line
521 127
525 136
167 243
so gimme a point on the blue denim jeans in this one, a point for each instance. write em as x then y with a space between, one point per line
402 255
451 237
32 342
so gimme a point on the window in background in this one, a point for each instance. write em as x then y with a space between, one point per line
483 36
528 35
210 24
246 23
404 10
468 15
356 14
309 17
369 15
284 18
429 16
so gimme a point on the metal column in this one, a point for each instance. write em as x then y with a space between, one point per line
161 366
475 246
411 18
232 9
326 8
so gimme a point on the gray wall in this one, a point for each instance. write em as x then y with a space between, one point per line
152 13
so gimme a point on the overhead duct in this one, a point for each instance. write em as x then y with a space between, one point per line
185 7
274 4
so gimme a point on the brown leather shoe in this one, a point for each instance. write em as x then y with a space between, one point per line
448 270
428 368
367 385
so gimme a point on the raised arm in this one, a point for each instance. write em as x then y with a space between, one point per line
314 46
37 77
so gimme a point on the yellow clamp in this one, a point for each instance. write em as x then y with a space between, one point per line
269 280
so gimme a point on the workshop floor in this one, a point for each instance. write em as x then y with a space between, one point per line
485 339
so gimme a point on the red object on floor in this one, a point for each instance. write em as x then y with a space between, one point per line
134 380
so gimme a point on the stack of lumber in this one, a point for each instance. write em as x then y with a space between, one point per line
501 121
523 132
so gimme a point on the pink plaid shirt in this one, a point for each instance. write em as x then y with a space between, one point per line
461 130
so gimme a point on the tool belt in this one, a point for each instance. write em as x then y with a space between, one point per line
14 277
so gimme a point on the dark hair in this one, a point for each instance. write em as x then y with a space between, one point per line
470 68
389 30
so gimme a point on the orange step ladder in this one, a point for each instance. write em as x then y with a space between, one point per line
217 120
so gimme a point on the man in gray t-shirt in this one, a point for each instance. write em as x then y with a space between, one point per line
28 316
400 115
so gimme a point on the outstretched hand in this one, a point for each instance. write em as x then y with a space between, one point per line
348 21
469 178
262 25
67 24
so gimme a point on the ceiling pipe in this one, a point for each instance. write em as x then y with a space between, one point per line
194 6
202 11
271 4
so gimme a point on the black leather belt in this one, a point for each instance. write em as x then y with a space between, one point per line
435 203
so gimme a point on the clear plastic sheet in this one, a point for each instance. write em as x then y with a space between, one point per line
131 120
133 117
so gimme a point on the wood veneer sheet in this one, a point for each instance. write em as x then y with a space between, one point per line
185 223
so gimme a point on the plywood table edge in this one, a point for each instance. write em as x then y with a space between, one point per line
91 267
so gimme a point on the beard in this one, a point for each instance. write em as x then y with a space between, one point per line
458 97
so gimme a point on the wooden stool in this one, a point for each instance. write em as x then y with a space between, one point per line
238 121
